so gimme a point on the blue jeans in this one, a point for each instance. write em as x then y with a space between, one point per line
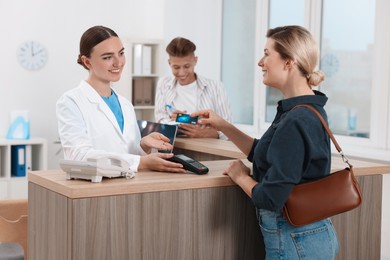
283 241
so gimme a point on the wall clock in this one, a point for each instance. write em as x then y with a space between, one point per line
32 55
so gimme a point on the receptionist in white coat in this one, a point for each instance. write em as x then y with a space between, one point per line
94 120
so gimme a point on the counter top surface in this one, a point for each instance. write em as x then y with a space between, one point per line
150 181
211 146
145 181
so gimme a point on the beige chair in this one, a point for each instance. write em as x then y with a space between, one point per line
13 222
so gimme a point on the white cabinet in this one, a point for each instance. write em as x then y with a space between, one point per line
140 75
31 153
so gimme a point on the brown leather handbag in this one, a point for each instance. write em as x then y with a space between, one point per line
336 193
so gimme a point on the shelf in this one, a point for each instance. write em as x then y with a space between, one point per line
145 76
144 107
37 140
34 151
137 85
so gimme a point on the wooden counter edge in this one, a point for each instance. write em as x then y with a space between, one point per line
371 170
144 182
210 146
155 182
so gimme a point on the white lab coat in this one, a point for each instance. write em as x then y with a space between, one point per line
87 127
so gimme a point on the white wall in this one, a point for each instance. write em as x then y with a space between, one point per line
59 25
201 22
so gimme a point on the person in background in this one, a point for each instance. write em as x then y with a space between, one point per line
295 148
186 92
94 120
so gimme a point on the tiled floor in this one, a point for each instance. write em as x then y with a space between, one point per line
385 246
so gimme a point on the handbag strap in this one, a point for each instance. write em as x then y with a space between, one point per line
325 125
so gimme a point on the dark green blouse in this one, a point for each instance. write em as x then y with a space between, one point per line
294 149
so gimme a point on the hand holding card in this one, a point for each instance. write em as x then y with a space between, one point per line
186 119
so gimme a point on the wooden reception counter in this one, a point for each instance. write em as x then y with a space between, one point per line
175 216
153 216
207 149
359 231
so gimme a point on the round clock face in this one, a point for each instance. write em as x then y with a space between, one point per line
32 55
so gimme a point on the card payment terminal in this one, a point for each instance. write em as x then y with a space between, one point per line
189 164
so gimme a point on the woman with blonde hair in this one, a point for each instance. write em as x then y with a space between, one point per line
295 149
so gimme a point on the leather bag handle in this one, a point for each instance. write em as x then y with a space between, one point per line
325 125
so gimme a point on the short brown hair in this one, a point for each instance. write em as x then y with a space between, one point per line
180 47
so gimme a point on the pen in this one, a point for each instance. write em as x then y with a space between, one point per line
170 107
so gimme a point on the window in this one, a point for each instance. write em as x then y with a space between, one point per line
281 13
354 54
238 60
347 59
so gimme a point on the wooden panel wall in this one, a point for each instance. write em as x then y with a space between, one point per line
49 223
359 230
215 223
212 223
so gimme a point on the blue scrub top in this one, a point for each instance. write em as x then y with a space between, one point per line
113 103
